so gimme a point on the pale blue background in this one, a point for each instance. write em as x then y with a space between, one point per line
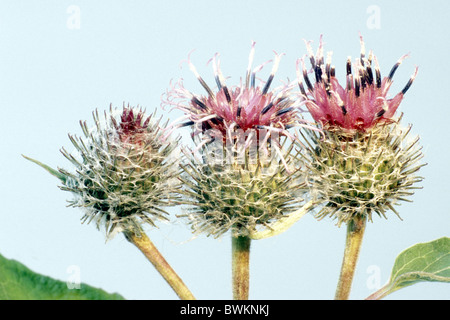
128 51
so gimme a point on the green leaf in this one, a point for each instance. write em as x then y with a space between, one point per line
428 261
17 282
50 170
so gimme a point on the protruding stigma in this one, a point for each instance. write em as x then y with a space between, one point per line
411 80
349 66
199 103
250 62
267 108
395 67
283 111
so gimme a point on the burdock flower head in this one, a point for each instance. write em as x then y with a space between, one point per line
125 174
244 176
364 162
361 103
243 107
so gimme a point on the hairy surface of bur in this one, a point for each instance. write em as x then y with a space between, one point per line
239 196
121 185
365 173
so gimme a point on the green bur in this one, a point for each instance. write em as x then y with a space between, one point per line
356 175
241 196
124 175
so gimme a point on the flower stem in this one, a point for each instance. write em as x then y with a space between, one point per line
355 233
143 243
240 266
283 224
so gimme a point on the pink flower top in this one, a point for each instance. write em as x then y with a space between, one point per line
359 105
132 126
246 106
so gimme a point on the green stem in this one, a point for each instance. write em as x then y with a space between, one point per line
355 233
240 266
380 293
143 243
282 224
